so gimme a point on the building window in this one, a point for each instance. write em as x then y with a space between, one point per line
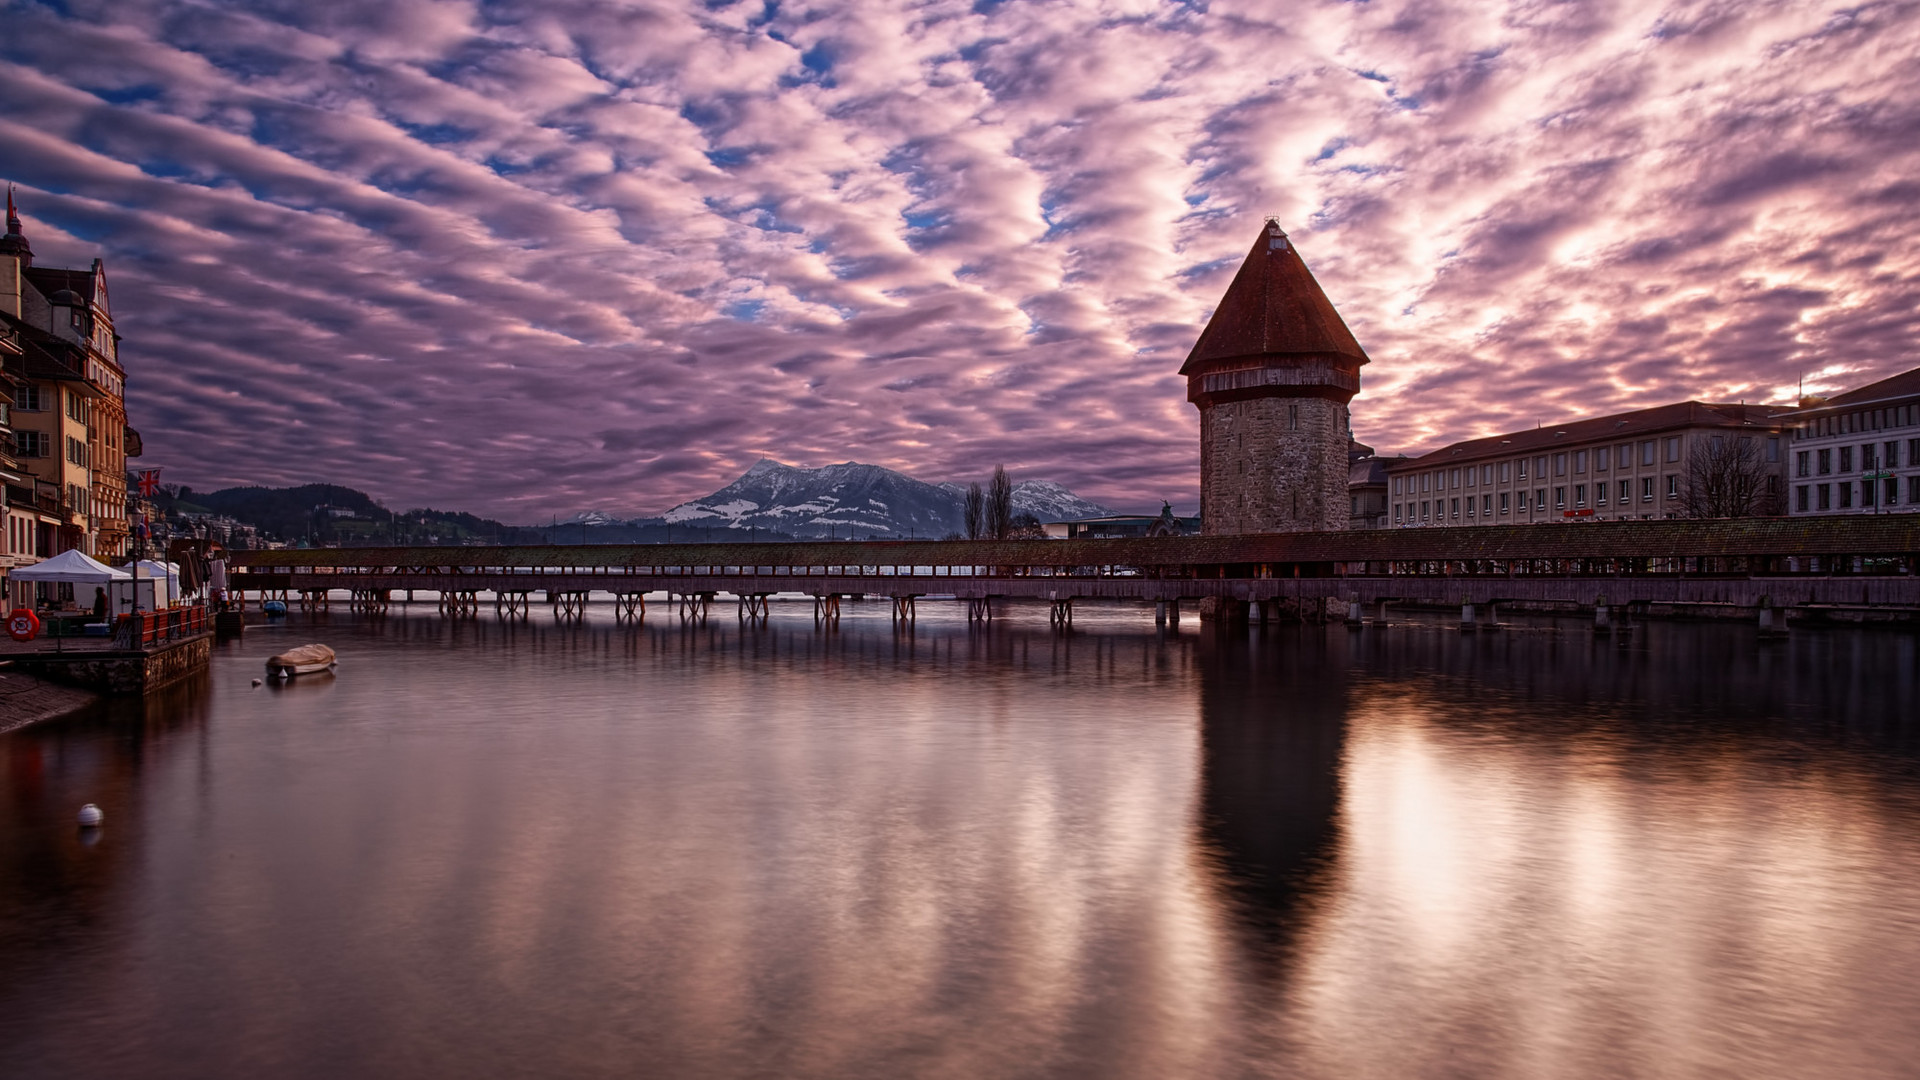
1773 448
1540 467
1846 459
1579 462
1396 513
1600 458
1913 451
32 444
1486 474
1913 489
1559 498
1453 479
1506 471
1600 493
1559 464
1673 486
1825 458
1846 495
1892 490
1646 452
1456 508
1504 505
1523 502
1626 492
1540 498
1523 468
1673 448
1486 505
1802 463
1646 489
1823 496
1892 460
1469 506
1800 498
1866 493
1579 495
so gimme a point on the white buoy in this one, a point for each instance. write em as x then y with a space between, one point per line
90 816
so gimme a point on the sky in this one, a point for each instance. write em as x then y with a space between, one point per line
526 259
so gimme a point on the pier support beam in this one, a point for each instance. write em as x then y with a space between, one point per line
903 607
752 607
826 609
512 602
980 609
567 603
1060 611
1773 620
629 606
693 607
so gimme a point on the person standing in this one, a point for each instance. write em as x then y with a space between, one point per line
99 603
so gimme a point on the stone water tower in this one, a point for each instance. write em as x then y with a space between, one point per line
1272 374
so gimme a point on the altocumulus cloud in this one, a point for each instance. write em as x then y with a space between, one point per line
529 257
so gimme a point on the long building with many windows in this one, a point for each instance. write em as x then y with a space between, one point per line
1858 452
1629 466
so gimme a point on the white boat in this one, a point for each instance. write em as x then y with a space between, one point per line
304 660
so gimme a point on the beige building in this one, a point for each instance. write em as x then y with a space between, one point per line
68 414
1628 466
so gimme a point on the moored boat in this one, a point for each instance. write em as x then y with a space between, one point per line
304 660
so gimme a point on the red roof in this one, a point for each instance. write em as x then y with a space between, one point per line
1901 385
1623 426
1274 306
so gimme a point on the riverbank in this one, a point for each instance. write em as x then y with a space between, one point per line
27 699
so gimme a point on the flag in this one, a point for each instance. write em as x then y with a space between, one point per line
150 482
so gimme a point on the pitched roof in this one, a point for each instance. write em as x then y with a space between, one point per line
1273 306
1626 425
1907 382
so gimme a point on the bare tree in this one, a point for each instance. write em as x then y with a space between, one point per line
1026 527
999 504
975 512
1727 478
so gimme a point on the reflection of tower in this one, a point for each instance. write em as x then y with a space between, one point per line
1272 374
1273 723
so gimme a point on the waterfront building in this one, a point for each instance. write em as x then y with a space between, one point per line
1857 452
1272 375
1641 465
1124 526
1367 496
69 423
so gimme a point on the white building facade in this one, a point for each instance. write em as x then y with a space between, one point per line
1858 452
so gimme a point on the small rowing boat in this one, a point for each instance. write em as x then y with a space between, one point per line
304 660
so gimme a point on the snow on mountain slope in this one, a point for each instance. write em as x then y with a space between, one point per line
856 500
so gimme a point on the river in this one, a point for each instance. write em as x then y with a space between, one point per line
539 849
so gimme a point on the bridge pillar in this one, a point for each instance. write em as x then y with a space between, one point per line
1380 614
1773 620
903 607
1223 609
1060 611
1467 625
1355 616
1159 613
1602 625
1623 624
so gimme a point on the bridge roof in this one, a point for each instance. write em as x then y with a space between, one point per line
1274 306
1892 534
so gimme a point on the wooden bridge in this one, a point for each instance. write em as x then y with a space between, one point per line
1764 565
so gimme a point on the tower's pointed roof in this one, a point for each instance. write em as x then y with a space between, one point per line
14 242
1273 306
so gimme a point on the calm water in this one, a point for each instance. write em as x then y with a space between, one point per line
496 850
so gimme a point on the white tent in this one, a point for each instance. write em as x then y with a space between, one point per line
152 569
69 566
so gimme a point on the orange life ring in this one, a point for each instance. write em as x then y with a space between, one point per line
23 624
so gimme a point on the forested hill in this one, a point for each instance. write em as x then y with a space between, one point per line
329 513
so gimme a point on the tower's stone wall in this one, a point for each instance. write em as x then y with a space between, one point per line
1273 464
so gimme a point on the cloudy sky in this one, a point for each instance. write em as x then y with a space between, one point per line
530 258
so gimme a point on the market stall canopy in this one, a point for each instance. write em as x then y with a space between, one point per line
151 569
70 566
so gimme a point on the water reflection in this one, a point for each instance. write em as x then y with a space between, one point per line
720 850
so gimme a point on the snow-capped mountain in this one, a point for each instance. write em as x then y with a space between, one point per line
855 500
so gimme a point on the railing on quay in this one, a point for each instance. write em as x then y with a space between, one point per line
144 628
